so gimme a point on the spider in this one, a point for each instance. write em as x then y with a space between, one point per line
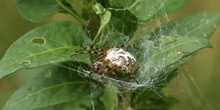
112 61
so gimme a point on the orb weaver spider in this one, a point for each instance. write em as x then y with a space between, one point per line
113 61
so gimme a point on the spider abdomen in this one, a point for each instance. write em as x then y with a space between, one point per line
115 60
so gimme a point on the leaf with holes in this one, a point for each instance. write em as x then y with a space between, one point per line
51 43
51 87
37 10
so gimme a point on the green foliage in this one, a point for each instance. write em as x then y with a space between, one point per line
172 5
110 97
37 10
51 43
145 9
50 87
159 53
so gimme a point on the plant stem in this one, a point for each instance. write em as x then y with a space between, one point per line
80 19
124 103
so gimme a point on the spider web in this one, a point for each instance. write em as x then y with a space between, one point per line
142 44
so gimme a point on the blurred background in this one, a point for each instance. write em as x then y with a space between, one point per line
197 87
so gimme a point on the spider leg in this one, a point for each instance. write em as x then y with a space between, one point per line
103 71
101 78
120 46
92 49
92 71
89 49
99 58
116 77
132 76
95 67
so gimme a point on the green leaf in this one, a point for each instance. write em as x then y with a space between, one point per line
98 8
173 43
37 10
141 96
124 22
173 5
52 43
110 97
159 59
121 3
105 18
120 28
53 86
145 9
201 24
155 100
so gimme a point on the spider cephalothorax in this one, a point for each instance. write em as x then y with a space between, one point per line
112 61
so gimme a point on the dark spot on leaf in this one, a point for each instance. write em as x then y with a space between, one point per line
9 103
25 62
48 74
29 89
182 54
39 40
